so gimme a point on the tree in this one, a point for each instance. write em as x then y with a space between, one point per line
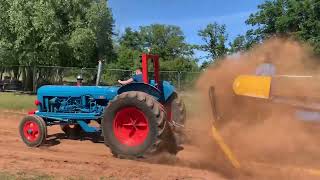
166 40
214 37
129 49
179 64
205 64
55 32
101 22
242 43
131 39
238 44
287 18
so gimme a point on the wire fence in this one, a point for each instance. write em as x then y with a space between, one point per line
27 78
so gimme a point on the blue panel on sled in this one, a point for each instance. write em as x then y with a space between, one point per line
308 115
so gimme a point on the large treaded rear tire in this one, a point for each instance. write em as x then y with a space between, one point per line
159 136
178 116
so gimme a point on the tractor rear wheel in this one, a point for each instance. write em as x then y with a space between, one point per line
135 125
177 115
33 131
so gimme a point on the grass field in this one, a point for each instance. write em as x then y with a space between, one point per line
14 101
23 176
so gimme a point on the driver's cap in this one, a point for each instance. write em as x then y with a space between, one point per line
79 77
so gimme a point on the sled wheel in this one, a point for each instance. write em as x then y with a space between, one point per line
134 125
33 131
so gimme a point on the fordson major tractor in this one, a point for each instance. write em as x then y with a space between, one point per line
135 120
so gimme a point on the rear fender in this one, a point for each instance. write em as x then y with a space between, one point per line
142 87
168 90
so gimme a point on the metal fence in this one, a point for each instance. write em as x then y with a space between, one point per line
27 78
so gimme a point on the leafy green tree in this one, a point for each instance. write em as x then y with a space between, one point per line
238 44
242 43
205 64
128 49
83 41
55 32
166 40
287 18
131 40
101 22
179 64
214 37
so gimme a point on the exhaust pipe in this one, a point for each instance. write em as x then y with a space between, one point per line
99 73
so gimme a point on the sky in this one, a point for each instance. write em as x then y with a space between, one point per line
190 15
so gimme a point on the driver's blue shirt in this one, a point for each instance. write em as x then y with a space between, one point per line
137 78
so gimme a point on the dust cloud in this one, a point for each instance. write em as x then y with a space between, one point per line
258 130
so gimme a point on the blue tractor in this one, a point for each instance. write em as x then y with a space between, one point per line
135 120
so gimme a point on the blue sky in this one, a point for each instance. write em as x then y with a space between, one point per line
190 15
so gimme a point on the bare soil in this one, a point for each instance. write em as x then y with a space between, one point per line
64 158
73 158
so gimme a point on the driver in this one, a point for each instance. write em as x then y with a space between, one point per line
137 77
79 80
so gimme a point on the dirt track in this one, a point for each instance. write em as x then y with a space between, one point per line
84 159
62 157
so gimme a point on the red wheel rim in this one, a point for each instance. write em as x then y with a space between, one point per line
130 126
31 131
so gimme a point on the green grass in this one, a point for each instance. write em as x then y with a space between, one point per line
23 176
15 101
6 176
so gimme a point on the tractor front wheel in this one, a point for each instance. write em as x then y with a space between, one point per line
135 125
33 131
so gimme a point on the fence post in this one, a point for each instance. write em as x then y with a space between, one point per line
179 80
34 74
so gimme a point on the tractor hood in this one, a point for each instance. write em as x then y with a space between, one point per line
98 92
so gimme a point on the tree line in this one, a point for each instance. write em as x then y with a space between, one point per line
81 32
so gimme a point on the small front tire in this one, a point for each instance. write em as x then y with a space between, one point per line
33 131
